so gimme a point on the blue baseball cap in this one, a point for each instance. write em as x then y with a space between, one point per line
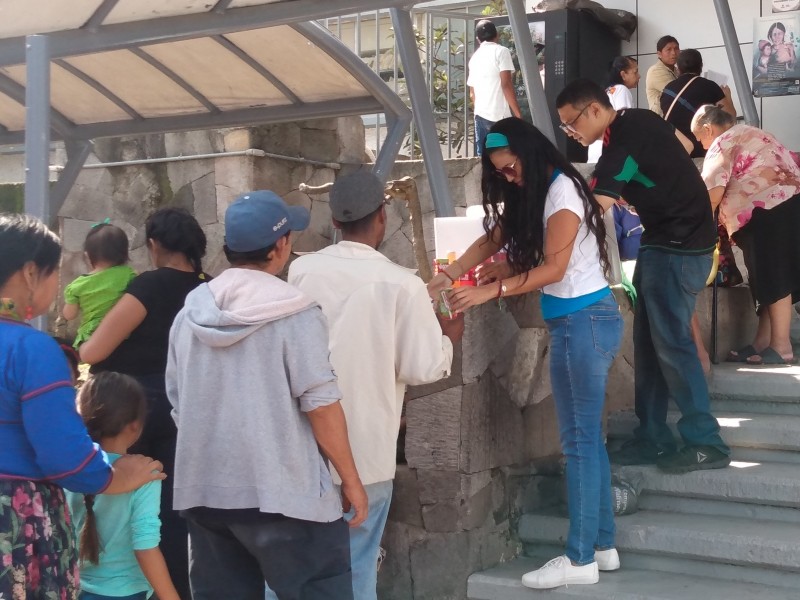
257 220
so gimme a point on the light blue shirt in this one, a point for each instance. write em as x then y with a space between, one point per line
125 523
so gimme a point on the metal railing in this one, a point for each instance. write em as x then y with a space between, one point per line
445 41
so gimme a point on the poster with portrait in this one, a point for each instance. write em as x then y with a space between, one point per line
776 46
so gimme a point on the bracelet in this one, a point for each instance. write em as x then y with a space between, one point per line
499 288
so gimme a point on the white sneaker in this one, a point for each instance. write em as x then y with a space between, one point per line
560 571
607 560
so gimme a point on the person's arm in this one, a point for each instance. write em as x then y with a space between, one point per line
115 327
726 103
330 431
481 249
70 311
685 141
716 194
654 86
154 568
507 85
562 229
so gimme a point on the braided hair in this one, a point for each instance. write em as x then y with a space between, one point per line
178 231
108 403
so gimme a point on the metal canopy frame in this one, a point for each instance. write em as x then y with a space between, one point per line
43 123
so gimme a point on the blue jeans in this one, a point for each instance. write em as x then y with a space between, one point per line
665 356
365 542
583 346
482 127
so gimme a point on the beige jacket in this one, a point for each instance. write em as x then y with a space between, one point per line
658 76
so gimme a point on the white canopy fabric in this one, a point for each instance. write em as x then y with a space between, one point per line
138 66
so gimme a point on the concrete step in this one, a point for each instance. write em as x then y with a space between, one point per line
769 491
769 383
742 550
503 583
739 430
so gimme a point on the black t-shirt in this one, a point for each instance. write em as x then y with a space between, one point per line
644 163
162 292
701 91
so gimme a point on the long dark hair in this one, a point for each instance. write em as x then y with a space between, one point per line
178 231
26 239
108 403
521 221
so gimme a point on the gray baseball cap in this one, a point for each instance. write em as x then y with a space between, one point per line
354 196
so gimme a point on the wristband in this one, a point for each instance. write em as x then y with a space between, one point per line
446 274
499 288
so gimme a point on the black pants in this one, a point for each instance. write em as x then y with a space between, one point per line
232 553
158 441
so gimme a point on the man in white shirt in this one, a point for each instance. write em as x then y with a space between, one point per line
490 82
384 335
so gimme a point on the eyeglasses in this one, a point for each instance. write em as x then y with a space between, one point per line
508 171
568 127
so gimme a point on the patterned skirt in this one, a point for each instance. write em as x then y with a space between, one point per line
38 555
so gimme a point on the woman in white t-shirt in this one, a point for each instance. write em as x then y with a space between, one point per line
622 78
552 229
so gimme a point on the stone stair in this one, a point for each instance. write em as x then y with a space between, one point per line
728 534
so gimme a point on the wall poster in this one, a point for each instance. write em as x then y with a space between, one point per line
776 45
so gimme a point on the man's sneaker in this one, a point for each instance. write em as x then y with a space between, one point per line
607 560
636 452
560 571
694 458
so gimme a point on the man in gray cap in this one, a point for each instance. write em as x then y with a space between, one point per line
384 335
257 408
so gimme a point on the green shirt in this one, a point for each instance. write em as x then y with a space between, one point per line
95 294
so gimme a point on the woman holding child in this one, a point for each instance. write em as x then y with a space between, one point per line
45 446
540 209
133 339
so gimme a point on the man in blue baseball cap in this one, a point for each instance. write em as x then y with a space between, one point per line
257 407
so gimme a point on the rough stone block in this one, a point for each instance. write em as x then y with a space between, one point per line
541 430
406 506
215 262
417 391
273 174
458 502
73 234
322 124
492 433
184 198
90 197
318 144
137 192
522 368
440 565
184 143
433 431
205 199
526 310
185 172
279 138
350 134
397 248
238 139
233 175
487 331
394 577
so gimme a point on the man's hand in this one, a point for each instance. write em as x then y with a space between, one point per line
452 328
354 496
439 282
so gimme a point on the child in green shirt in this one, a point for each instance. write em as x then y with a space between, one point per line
94 294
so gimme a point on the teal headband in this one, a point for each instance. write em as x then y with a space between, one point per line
496 140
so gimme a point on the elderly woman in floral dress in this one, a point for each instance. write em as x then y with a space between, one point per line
756 182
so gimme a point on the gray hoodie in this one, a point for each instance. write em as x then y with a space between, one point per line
248 356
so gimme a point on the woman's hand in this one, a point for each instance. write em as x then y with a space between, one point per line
490 272
462 298
439 282
132 471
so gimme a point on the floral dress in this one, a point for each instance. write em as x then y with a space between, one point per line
37 547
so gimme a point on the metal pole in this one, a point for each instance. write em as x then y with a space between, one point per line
740 78
378 73
37 134
37 127
530 68
423 114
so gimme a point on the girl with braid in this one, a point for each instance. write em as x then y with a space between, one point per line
118 535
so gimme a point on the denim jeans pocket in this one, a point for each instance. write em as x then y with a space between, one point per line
607 334
694 272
